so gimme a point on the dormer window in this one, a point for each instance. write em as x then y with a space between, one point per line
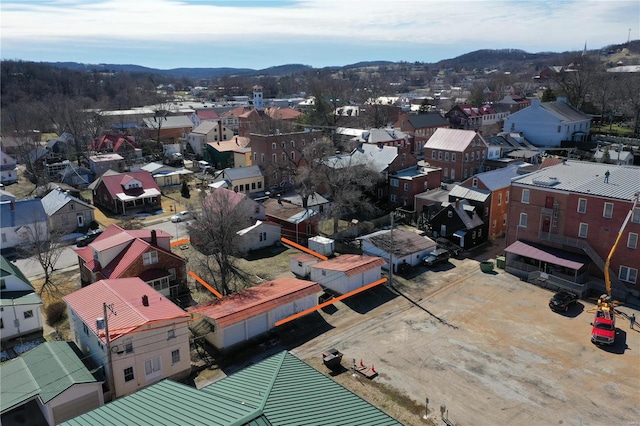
150 258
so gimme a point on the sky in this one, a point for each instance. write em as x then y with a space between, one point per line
257 34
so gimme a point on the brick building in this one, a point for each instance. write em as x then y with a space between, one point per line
566 219
460 153
405 184
421 127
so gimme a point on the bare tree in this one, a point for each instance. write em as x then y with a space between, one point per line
576 83
214 232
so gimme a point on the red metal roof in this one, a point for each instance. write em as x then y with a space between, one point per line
206 114
304 257
257 300
524 249
351 264
125 297
113 182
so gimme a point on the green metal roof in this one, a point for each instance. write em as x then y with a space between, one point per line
281 390
17 298
8 268
47 370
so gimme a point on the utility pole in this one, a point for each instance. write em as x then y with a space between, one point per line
391 253
111 379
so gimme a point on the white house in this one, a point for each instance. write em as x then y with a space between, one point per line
405 246
148 336
207 131
549 123
8 171
254 311
23 222
52 378
300 264
616 156
259 235
165 175
20 303
347 272
246 180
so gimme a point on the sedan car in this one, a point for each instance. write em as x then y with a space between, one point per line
182 216
437 256
85 240
562 300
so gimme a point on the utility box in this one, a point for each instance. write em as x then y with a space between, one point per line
500 262
323 245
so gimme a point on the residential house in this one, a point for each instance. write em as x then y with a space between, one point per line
166 176
315 202
421 127
550 123
208 131
135 333
23 222
48 385
298 223
267 398
247 180
397 246
571 214
497 183
20 314
168 129
8 169
252 312
460 153
124 145
479 199
76 176
405 184
276 153
201 115
63 144
259 235
513 102
242 157
613 156
347 272
459 222
67 214
126 193
144 253
231 118
221 154
99 164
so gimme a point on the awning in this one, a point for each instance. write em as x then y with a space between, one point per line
549 255
460 234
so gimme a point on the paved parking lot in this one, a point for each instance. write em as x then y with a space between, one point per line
488 347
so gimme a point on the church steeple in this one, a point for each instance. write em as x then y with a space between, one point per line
258 101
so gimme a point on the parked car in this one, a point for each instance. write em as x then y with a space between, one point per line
454 249
437 256
85 240
562 300
182 216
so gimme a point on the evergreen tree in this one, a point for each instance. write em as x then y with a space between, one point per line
185 190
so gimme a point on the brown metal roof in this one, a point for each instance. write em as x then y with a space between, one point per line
351 264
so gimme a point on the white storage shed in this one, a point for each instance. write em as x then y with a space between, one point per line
347 272
323 245
301 263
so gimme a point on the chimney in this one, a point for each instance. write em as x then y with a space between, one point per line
457 203
220 130
154 237
237 141
145 300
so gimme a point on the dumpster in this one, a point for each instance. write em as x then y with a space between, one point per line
486 266
500 262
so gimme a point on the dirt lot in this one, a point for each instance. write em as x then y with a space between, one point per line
488 347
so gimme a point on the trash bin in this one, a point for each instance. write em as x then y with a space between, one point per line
486 266
500 262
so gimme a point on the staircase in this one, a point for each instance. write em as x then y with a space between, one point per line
581 244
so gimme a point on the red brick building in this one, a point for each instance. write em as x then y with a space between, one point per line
405 184
460 153
421 127
566 218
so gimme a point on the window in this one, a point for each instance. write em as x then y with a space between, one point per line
175 356
394 182
255 157
433 154
449 214
4 237
446 156
559 127
525 196
171 334
523 220
394 198
466 157
474 183
506 201
284 156
28 314
3 284
627 274
324 273
582 231
582 205
453 156
150 258
128 374
479 232
274 158
500 198
273 145
439 155
445 173
472 156
608 210
152 367
262 157
632 240
465 174
128 347
636 216
293 155
406 186
85 329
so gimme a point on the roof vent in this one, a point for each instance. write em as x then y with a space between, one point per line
145 300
